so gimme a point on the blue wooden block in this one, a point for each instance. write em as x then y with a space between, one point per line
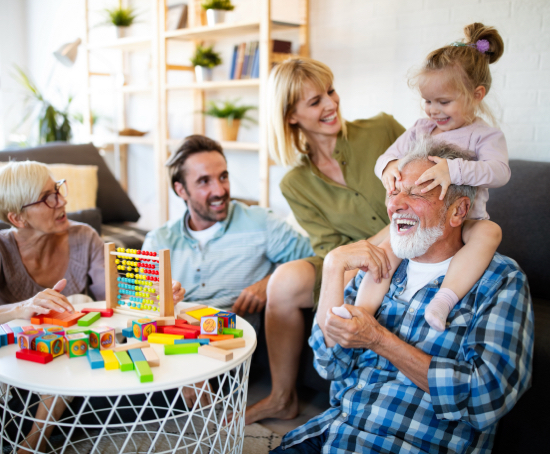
95 358
128 332
136 355
192 341
16 330
3 337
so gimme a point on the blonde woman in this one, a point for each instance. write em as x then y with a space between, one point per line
334 195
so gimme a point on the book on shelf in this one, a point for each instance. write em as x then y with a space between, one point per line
233 62
282 47
176 17
243 60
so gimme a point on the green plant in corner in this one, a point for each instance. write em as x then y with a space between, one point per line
229 110
121 17
206 57
225 5
53 124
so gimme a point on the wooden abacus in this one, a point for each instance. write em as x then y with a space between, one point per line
141 285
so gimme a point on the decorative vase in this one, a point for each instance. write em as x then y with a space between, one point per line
121 31
215 16
203 74
228 130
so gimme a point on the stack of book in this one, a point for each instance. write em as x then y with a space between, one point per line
245 63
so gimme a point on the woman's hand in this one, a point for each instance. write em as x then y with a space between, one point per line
45 301
439 174
177 291
390 175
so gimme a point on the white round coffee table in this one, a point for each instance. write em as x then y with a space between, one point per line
116 413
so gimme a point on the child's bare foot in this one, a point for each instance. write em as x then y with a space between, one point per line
273 407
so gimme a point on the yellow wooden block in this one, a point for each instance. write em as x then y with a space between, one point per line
160 338
109 359
203 312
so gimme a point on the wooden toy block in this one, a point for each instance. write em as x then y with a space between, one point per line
9 332
102 337
26 328
104 312
37 320
151 356
54 315
27 339
136 355
192 341
59 330
50 343
129 323
16 330
124 361
229 344
109 358
234 331
77 345
143 328
3 337
229 319
128 346
165 321
219 337
157 338
143 370
190 320
128 332
78 331
193 308
198 314
71 320
34 356
181 349
95 359
88 319
211 324
216 353
180 322
177 330
189 327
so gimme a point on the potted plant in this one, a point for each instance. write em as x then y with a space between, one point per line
122 18
228 116
204 60
215 10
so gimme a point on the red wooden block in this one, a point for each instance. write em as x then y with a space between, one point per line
34 356
9 332
181 322
192 328
67 321
103 312
188 334
160 329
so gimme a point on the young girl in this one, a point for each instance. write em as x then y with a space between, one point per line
453 82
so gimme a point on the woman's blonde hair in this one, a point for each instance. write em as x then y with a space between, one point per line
465 66
20 184
284 89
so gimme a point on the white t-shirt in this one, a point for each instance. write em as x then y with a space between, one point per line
202 236
421 274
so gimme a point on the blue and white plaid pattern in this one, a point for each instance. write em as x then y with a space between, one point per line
247 247
481 366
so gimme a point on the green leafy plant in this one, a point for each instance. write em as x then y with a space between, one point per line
205 56
218 4
229 110
53 124
121 17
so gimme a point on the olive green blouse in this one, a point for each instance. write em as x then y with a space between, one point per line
332 214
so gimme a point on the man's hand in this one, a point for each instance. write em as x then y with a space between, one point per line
390 175
177 291
253 298
360 331
363 255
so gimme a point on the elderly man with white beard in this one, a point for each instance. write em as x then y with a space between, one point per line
398 385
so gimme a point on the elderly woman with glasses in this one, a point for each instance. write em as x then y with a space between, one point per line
44 257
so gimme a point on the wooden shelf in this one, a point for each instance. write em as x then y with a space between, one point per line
123 140
123 89
221 31
241 146
128 43
216 84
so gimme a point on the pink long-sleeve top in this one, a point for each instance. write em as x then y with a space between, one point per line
490 170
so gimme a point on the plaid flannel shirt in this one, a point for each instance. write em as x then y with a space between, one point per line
481 365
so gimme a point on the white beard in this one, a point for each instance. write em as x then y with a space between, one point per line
416 244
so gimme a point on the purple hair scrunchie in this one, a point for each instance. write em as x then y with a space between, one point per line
482 45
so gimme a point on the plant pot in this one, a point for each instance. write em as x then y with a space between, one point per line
203 74
227 130
121 32
215 16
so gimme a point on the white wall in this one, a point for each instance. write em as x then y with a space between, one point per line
369 44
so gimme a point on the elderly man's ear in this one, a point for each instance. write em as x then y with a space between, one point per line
459 210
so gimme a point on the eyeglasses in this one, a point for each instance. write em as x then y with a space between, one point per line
52 200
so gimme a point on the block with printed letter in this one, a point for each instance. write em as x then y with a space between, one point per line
229 319
211 325
77 344
143 327
51 343
27 339
102 337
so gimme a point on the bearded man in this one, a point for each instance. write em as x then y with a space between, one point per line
399 385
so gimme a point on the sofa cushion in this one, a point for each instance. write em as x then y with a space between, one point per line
114 203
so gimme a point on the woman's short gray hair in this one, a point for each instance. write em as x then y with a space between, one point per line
20 184
426 146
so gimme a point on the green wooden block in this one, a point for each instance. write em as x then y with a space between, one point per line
143 371
88 319
234 331
78 330
181 349
125 362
